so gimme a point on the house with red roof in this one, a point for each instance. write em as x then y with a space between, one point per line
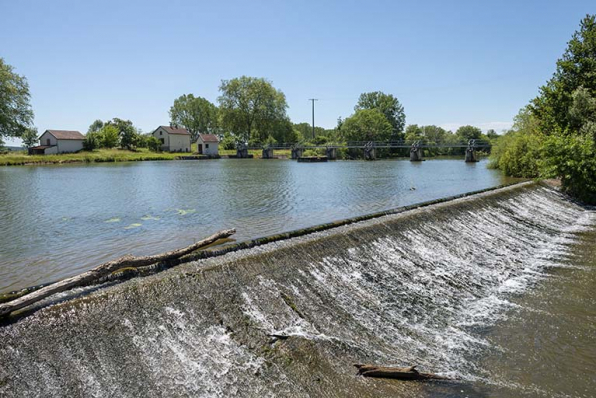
208 144
173 138
58 141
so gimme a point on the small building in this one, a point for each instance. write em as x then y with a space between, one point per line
173 138
208 144
58 141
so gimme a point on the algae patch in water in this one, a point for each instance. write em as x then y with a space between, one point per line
115 219
184 212
135 225
149 217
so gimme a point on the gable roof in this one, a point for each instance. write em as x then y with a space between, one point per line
209 137
175 130
66 134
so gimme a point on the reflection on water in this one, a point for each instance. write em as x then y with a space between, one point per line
59 220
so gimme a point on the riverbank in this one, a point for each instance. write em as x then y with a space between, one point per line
97 156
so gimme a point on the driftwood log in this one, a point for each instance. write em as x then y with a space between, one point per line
105 269
408 373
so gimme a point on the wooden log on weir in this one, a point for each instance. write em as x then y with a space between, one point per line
105 269
407 373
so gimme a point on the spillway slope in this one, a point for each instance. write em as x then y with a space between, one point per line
290 318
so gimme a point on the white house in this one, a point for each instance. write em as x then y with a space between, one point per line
173 138
208 144
58 141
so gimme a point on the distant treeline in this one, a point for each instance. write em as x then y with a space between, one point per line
249 110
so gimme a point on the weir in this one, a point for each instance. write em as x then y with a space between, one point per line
291 317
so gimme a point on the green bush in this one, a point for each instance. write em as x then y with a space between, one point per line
518 154
228 142
310 152
153 144
573 159
92 141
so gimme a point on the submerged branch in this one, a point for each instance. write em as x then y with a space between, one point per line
105 269
408 373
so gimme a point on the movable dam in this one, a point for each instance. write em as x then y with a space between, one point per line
427 286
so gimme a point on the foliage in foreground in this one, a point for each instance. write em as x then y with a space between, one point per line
555 136
16 115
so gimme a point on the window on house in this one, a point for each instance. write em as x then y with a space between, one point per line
160 133
48 141
206 146
161 140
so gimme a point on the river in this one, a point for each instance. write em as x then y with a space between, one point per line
57 221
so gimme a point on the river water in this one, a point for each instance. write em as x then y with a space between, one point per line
56 221
495 290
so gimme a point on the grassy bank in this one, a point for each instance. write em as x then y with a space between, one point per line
97 156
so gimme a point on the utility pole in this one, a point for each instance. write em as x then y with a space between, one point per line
313 116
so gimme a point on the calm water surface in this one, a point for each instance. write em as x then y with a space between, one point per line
57 221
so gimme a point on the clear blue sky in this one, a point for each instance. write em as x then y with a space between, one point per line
449 62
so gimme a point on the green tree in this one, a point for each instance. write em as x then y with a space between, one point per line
153 144
196 114
576 68
95 126
126 131
16 115
388 105
30 137
367 125
466 133
413 133
250 107
228 141
92 141
108 136
492 134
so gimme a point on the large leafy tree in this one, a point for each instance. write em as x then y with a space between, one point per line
16 115
95 126
196 114
128 134
251 107
466 133
109 136
388 105
577 68
366 125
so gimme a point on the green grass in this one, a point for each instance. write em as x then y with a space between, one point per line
110 155
97 156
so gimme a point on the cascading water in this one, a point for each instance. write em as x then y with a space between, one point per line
291 317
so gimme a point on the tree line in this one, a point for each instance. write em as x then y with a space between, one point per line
554 136
249 110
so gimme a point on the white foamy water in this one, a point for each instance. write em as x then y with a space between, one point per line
422 287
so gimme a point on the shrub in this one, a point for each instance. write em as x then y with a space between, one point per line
228 142
153 144
92 141
573 159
